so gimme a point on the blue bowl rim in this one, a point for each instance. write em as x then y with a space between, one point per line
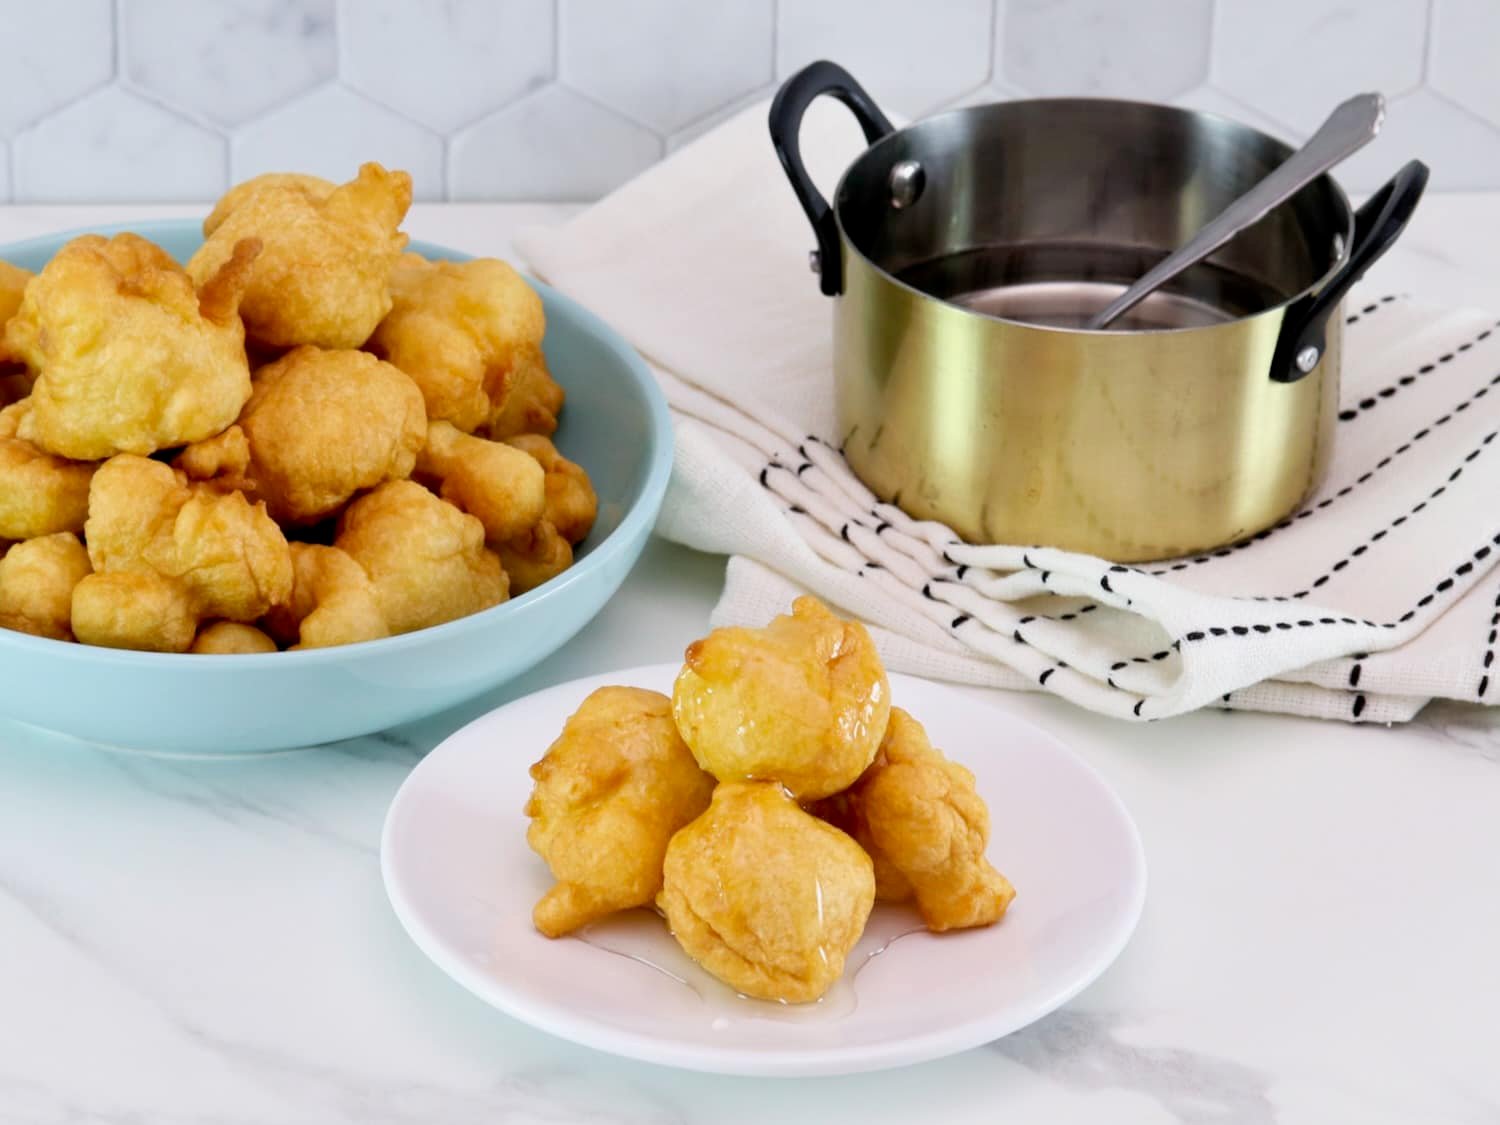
642 512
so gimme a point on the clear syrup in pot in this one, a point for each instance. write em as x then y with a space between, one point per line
1062 285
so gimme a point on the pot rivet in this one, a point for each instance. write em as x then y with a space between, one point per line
908 178
815 261
1307 359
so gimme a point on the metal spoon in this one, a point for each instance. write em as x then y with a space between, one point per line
1348 129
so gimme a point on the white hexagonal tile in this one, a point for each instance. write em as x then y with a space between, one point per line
1295 60
445 65
665 63
911 57
719 116
987 94
227 62
53 53
1462 150
115 147
1462 61
1212 100
555 144
330 133
1149 50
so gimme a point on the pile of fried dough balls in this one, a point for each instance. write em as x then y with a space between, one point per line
763 809
305 437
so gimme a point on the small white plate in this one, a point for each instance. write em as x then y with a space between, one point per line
462 881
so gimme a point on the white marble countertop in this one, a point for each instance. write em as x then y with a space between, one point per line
194 942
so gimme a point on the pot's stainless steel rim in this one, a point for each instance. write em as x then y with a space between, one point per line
892 159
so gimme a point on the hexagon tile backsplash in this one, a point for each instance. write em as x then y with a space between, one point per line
168 100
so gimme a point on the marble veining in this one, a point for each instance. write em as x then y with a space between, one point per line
1084 1050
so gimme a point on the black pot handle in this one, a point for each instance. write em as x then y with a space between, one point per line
1376 226
790 103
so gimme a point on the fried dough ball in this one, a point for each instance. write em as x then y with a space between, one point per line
534 557
12 416
14 382
228 555
766 897
13 281
609 794
314 187
504 488
332 601
462 330
36 585
222 460
319 427
918 814
803 701
137 609
572 504
846 813
527 401
324 277
130 357
427 559
40 493
230 638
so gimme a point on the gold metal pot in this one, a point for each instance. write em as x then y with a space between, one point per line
965 252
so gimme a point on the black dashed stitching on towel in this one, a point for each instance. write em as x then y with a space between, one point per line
959 620
1365 404
1442 587
1489 650
1354 318
1359 705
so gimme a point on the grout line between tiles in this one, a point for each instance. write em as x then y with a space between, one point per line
1458 107
620 113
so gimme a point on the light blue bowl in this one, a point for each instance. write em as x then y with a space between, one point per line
615 424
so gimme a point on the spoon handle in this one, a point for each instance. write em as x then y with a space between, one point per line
1348 129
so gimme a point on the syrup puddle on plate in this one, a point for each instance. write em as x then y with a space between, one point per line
642 936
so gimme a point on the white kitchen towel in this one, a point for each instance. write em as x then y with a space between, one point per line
1379 594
